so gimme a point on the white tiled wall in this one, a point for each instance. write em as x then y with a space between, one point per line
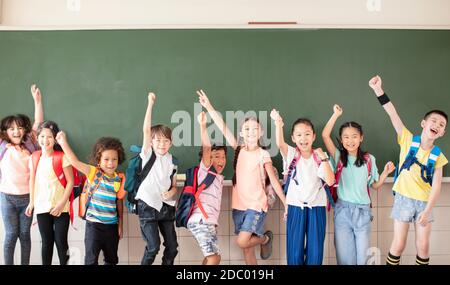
131 247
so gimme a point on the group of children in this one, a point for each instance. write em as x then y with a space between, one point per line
39 170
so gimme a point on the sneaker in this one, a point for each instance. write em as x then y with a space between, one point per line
266 249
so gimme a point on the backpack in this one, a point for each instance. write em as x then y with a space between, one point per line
337 176
292 171
78 178
28 144
426 171
271 197
190 195
135 175
89 189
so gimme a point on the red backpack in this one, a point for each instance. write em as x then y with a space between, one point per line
79 179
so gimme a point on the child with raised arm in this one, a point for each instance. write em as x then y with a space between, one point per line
155 195
306 170
17 142
356 171
418 178
204 220
249 199
104 207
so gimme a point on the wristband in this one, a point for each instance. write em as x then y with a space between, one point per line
383 99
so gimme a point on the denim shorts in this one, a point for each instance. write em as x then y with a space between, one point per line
249 221
407 210
206 236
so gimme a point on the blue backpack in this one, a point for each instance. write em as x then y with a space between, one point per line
135 175
426 171
190 195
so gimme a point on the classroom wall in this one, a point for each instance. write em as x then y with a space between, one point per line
119 14
131 247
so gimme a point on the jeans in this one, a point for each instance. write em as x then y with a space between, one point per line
152 222
352 226
17 226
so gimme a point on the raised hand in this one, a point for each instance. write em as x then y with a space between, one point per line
201 118
375 83
151 98
337 110
61 138
36 93
203 99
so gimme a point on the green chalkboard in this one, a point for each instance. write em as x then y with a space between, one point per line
95 83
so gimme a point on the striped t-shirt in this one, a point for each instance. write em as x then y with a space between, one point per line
102 207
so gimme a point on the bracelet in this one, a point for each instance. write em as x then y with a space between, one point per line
383 99
325 159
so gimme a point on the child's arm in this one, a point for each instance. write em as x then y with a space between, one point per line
38 109
73 159
278 120
147 127
326 133
388 169
275 183
329 174
206 144
168 195
434 195
68 173
204 101
119 204
375 84
29 210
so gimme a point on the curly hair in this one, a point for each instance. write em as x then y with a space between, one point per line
107 143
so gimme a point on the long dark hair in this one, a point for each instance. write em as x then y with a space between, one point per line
360 161
22 121
304 121
53 127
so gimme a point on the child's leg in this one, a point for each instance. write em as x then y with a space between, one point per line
398 242
295 235
206 236
45 224
92 243
250 256
423 243
166 225
344 237
150 232
24 232
61 229
400 236
10 218
317 222
110 244
213 259
362 229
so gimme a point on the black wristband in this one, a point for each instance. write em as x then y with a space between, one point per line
383 99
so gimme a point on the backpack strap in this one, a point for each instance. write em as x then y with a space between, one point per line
90 189
209 179
292 170
429 168
3 149
57 162
147 167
